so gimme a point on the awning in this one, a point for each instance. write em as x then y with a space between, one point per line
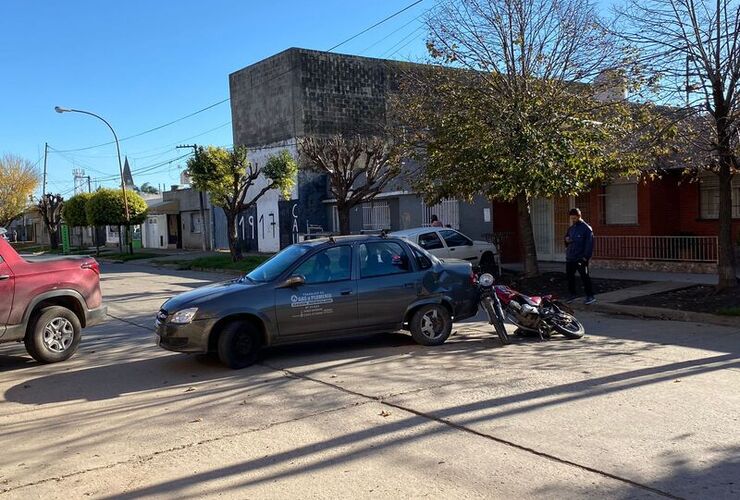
165 207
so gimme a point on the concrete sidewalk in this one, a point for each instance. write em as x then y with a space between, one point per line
619 274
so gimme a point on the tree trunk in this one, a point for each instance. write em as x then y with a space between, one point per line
343 211
53 238
531 267
231 231
726 266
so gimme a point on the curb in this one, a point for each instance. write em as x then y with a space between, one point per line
660 313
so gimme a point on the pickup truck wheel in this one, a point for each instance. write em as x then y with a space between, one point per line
54 335
431 325
238 345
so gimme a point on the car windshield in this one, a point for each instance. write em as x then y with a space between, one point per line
274 267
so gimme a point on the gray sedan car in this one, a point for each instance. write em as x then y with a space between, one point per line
318 290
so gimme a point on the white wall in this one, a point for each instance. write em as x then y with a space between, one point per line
267 224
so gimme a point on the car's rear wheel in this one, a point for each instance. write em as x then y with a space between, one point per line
54 335
431 325
239 345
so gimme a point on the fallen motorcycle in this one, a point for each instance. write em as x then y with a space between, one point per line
543 316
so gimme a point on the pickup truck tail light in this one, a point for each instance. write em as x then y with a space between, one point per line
92 265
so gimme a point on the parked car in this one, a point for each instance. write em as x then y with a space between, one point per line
4 234
46 303
322 289
444 243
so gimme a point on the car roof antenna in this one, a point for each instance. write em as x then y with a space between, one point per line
331 239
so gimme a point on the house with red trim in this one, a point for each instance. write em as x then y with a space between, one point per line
668 223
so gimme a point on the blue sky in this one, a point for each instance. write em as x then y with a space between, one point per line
144 63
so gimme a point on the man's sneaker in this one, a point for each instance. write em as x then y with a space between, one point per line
570 299
589 301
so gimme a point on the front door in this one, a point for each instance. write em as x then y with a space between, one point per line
542 226
387 286
7 289
326 304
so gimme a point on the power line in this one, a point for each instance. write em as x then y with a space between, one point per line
375 25
151 129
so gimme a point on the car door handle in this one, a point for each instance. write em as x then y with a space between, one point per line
452 249
408 285
4 277
346 292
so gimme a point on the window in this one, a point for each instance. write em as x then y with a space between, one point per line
709 197
332 264
275 266
447 211
620 203
196 223
376 215
455 239
423 259
382 258
430 241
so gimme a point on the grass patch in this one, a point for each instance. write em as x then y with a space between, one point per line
729 311
245 265
125 257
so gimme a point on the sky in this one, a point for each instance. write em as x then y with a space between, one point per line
142 64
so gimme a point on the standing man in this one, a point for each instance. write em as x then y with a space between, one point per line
579 246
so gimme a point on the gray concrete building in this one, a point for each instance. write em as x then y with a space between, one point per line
299 93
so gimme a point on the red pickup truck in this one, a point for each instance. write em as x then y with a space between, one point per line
45 302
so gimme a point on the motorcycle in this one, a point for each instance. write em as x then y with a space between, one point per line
541 315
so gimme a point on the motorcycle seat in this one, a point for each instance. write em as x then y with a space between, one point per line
533 301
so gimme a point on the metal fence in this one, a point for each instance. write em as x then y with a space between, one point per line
657 248
448 212
376 215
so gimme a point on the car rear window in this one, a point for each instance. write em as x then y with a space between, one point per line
430 241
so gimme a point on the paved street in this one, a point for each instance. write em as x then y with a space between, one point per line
637 409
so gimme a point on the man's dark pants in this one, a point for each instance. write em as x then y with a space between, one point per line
582 268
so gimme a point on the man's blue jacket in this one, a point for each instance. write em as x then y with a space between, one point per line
581 244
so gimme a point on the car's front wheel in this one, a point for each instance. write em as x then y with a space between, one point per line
54 335
239 345
431 325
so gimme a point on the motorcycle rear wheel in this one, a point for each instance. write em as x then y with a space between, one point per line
567 325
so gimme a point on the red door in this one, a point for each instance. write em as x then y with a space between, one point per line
7 289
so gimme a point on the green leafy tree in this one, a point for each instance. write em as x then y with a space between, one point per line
74 214
106 208
148 189
527 109
235 184
18 180
358 168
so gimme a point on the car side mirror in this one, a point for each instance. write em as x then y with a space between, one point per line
293 282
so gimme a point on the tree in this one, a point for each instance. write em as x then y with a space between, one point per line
18 180
106 208
73 212
692 49
50 208
235 184
358 168
148 189
528 105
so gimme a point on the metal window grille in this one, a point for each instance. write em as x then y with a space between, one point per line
448 212
376 216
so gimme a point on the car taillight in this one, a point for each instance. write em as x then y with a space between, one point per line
94 266
473 279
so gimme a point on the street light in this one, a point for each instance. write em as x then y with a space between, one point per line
60 110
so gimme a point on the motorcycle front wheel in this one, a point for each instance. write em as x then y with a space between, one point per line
567 325
496 317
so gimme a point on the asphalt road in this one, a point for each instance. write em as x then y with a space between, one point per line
637 409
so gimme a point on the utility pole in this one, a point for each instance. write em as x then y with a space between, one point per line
203 232
46 153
